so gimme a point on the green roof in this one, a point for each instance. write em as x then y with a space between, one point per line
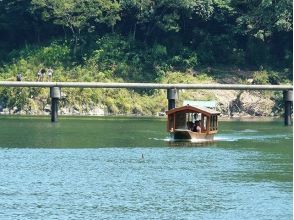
207 104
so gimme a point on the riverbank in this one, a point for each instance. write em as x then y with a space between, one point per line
232 104
36 101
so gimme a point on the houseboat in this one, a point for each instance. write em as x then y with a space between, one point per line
191 123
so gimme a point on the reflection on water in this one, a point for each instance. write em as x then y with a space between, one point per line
236 137
93 169
248 131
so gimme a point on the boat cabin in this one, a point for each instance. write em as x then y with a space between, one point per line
186 116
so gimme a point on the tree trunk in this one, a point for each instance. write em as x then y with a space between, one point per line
134 31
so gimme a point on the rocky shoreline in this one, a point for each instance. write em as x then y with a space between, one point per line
231 104
100 113
163 117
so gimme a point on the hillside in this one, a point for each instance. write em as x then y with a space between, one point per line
191 41
107 65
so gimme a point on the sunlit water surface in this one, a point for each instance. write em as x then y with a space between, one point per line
125 168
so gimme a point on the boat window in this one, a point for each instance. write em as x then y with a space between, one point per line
196 117
170 122
191 118
213 122
188 117
204 125
181 120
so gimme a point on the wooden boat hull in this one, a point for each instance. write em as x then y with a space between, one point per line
183 134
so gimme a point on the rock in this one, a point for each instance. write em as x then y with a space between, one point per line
255 104
64 111
243 103
22 112
63 95
5 111
47 108
74 111
224 99
14 109
99 111
161 114
249 81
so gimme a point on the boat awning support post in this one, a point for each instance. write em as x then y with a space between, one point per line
55 94
171 96
288 102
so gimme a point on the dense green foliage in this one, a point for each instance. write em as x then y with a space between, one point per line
141 41
250 33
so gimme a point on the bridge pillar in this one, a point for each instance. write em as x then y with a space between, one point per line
288 100
55 94
171 96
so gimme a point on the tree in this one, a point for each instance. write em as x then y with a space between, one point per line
78 15
15 21
262 18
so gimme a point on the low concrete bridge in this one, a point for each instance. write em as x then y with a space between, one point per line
144 85
55 90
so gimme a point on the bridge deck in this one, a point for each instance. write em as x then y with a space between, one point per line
144 85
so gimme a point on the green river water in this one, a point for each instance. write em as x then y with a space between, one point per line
92 168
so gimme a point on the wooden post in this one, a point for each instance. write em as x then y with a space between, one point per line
171 96
55 94
288 100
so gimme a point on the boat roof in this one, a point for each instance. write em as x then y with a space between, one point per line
208 104
195 109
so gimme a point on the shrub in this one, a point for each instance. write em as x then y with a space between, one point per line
138 62
260 77
54 54
185 60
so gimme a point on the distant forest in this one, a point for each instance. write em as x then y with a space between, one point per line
249 33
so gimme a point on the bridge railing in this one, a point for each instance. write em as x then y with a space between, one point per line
145 85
